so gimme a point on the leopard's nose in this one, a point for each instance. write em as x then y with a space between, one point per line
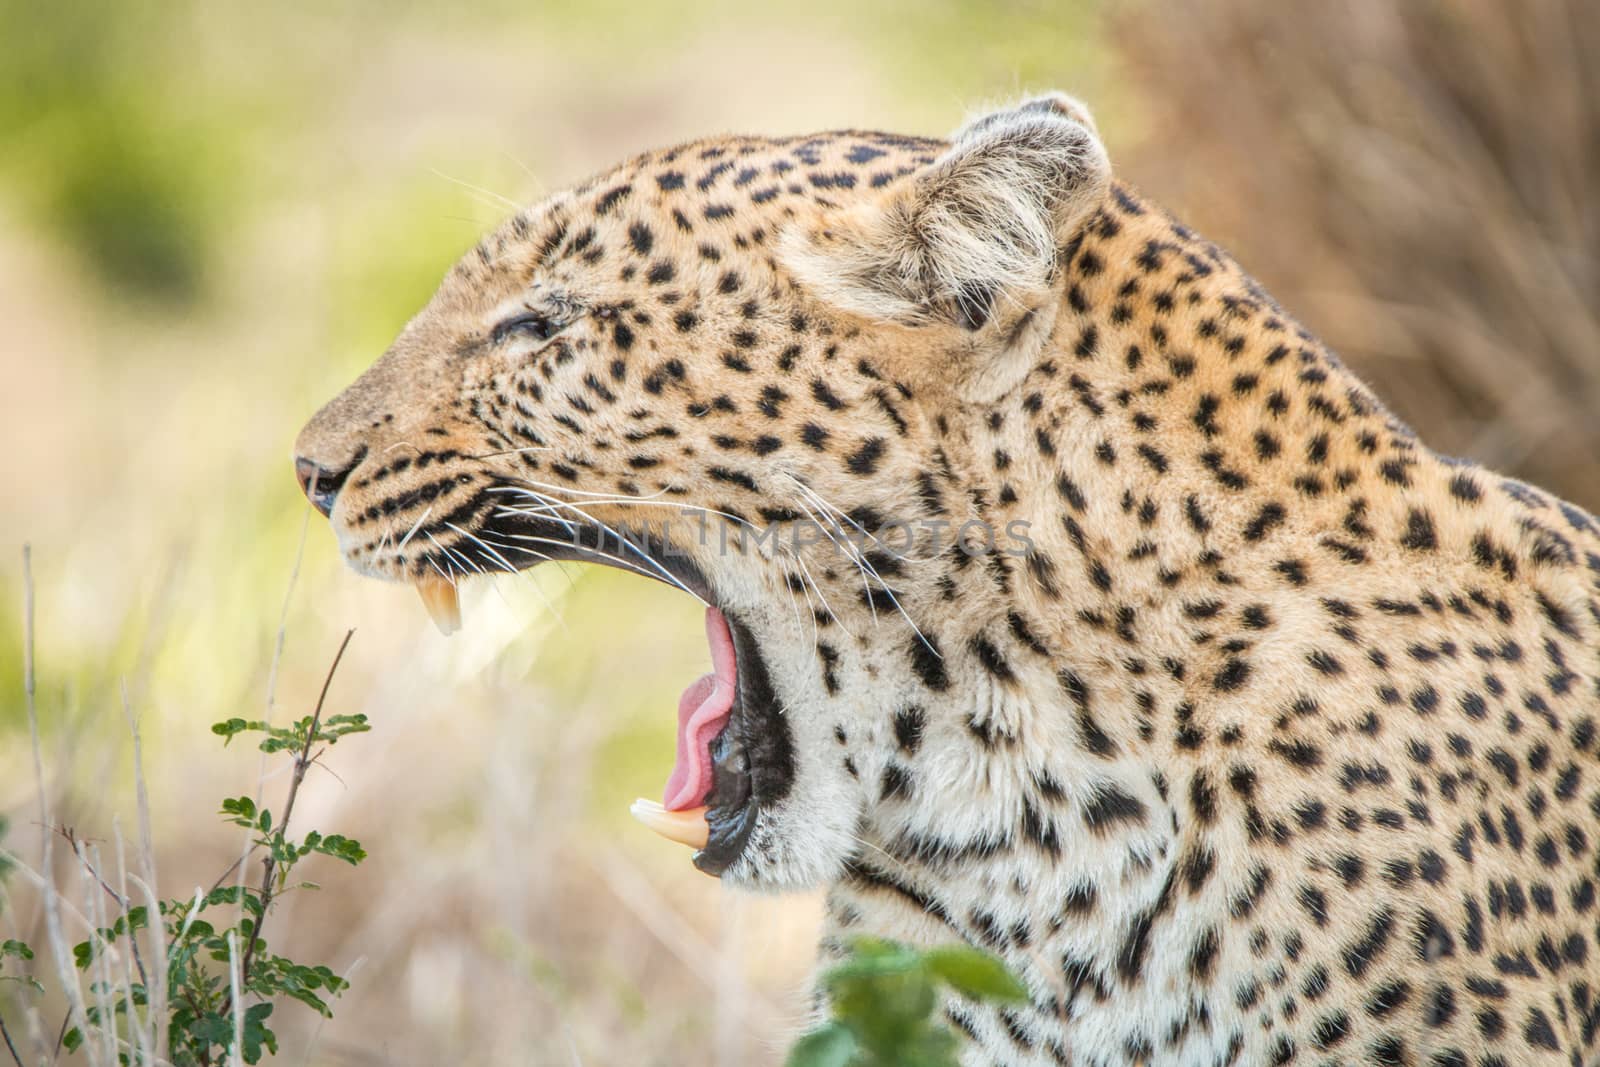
320 484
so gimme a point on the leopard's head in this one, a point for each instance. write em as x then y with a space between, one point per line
742 367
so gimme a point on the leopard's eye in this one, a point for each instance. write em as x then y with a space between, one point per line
525 324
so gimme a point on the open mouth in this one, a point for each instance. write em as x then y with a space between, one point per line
734 753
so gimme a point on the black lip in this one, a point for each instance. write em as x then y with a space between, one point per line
753 756
752 759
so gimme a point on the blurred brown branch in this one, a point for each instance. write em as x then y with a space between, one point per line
1414 181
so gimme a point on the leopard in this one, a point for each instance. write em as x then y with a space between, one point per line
1066 597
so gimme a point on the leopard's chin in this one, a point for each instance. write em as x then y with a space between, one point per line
735 755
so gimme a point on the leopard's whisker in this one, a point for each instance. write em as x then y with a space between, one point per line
487 197
867 567
401 547
623 539
539 557
461 560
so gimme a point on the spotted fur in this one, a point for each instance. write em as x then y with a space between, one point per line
1280 743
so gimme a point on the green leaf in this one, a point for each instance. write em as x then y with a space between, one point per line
284 852
228 730
83 954
336 726
228 894
975 974
884 1010
864 968
830 1045
878 948
135 919
232 894
885 997
340 847
72 1040
240 810
310 1000
256 1033
212 1029
179 956
16 949
23 979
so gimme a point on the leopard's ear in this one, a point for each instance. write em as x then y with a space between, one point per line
974 234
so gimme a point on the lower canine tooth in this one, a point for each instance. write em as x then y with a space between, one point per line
443 601
687 827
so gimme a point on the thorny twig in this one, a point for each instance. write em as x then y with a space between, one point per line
10 1047
122 901
302 763
52 904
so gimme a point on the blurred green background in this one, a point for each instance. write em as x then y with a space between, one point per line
212 216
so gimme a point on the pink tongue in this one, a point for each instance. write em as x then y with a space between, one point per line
702 712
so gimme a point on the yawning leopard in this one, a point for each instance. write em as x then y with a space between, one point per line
1065 597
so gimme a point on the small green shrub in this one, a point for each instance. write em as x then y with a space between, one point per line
216 956
884 1002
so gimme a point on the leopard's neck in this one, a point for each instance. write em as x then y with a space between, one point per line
1051 806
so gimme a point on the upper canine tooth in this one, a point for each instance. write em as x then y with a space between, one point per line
443 601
